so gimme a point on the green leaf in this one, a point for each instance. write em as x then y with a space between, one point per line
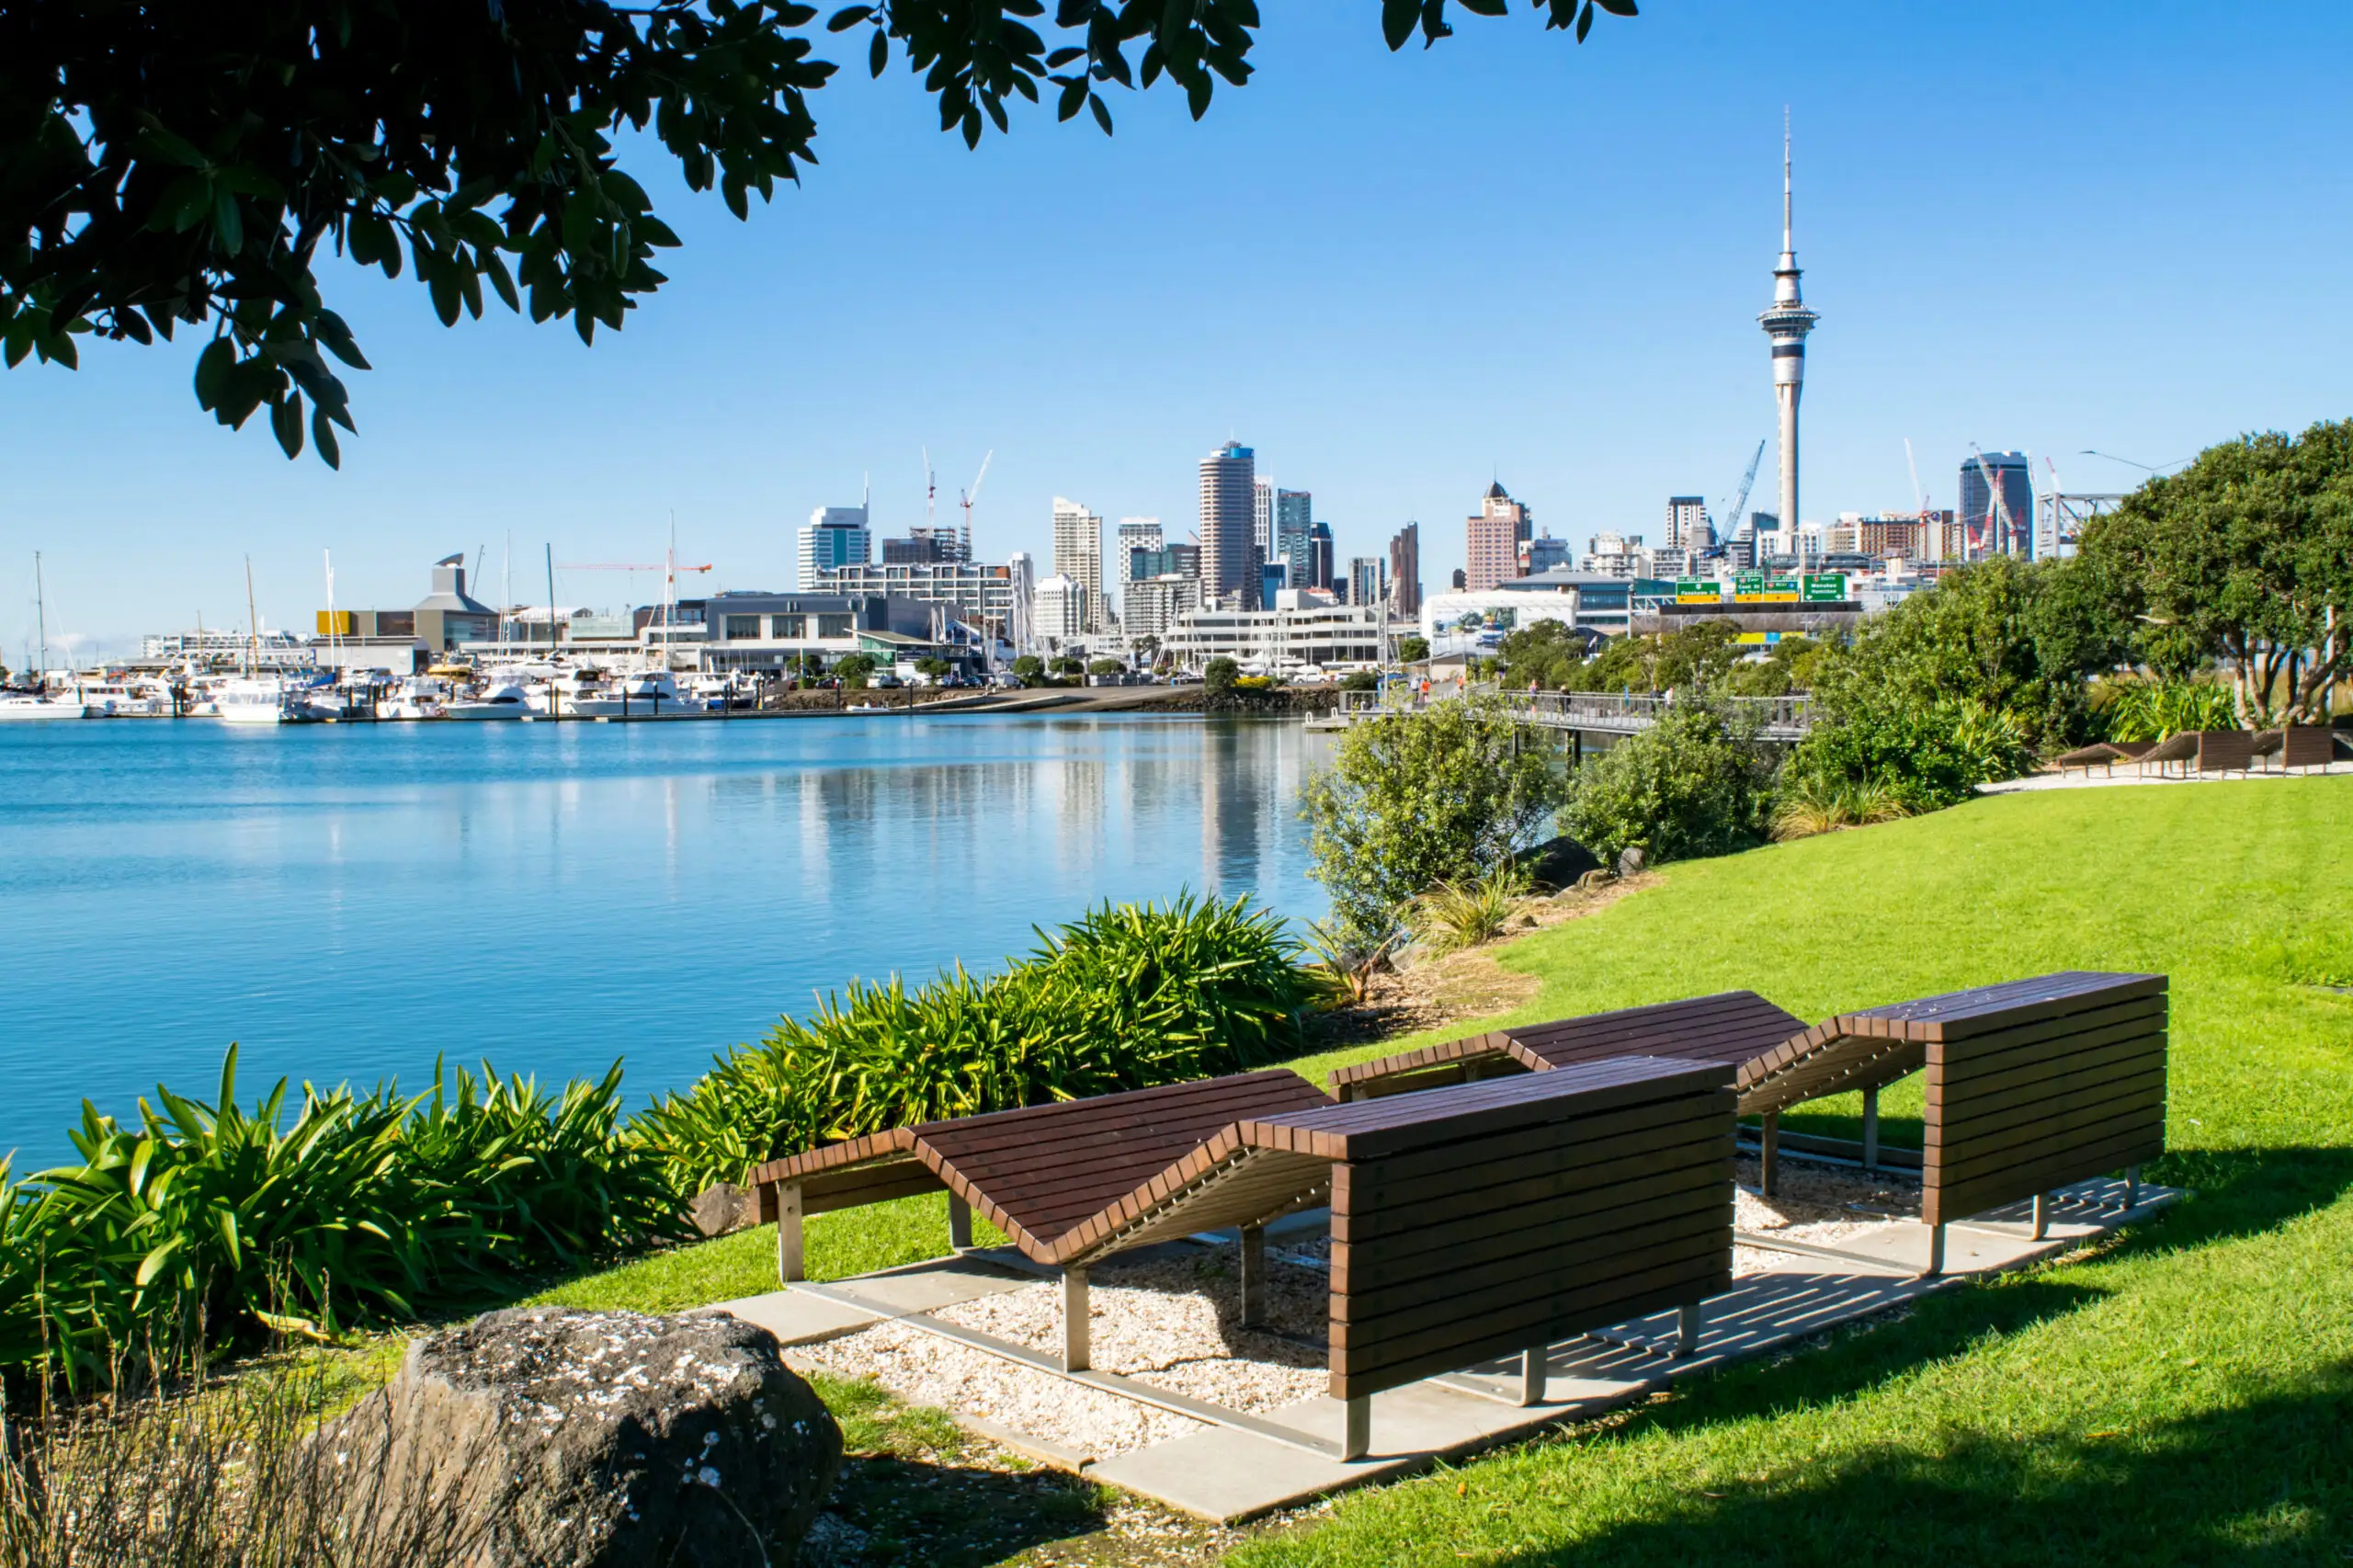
878 54
229 222
286 422
155 1262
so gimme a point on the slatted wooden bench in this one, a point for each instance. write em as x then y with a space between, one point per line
1467 1223
2063 1071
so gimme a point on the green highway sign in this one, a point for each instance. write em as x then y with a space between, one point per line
1828 589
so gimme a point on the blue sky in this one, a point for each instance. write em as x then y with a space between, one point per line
2120 226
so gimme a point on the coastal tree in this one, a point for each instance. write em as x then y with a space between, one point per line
168 165
1221 673
2246 557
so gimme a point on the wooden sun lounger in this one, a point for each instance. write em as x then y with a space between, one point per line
1467 1223
2060 1073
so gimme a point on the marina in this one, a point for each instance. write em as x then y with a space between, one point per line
351 901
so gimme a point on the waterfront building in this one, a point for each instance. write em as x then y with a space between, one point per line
1405 573
2012 479
1786 322
836 537
1131 534
1228 482
1542 553
217 647
448 615
973 592
1078 555
1369 582
1276 640
924 546
767 632
1613 554
1060 611
1022 574
1154 602
1492 539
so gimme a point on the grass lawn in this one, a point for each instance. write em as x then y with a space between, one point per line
2183 1395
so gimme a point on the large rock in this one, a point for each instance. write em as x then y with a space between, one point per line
1556 863
544 1437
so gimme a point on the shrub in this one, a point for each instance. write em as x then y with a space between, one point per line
1811 805
1464 914
856 669
1029 668
1122 998
1694 783
1106 667
206 1222
1359 680
1413 650
1416 799
1349 954
1220 673
2141 710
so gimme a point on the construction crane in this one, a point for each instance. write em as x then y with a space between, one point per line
1740 496
972 495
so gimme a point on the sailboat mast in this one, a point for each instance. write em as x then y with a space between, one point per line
253 624
40 613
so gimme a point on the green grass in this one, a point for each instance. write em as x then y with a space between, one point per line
2182 1395
854 1241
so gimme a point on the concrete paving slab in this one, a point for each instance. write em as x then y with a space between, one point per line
928 1287
796 1317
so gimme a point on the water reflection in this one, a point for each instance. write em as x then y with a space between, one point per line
350 902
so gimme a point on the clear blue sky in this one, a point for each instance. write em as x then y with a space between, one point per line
2111 225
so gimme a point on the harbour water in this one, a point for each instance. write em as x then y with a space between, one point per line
351 902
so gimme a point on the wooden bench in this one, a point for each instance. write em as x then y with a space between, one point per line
2073 1064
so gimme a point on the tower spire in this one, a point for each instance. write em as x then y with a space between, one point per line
1786 322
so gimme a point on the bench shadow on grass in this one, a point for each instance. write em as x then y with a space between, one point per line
937 1514
2260 1482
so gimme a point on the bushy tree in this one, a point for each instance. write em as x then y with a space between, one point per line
1412 799
1413 650
2245 557
168 165
1029 669
1547 653
1220 673
856 669
1106 667
1964 682
1694 783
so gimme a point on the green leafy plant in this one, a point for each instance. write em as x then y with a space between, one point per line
1221 673
1694 783
1349 954
1464 914
1124 997
2146 709
1811 805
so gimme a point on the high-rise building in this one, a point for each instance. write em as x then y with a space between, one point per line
2012 477
1152 603
1368 581
1262 516
1178 559
924 546
1542 553
1078 555
1786 322
1062 607
1405 573
977 594
1131 534
1228 480
1686 524
1294 515
1319 557
837 536
1493 541
1022 572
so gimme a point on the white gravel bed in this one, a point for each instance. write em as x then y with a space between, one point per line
1822 1204
1170 1320
924 1368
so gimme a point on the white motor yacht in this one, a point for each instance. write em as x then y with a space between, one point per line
645 694
505 701
419 697
251 699
19 707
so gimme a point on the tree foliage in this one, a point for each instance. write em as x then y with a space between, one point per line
1414 799
2246 557
169 165
1694 783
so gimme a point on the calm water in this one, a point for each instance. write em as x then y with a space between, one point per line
348 902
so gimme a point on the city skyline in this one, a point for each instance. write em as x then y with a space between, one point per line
733 402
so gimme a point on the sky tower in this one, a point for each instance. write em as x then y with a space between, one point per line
1787 322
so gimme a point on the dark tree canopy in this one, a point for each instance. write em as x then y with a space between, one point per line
166 164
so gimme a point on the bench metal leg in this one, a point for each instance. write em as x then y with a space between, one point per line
1533 1370
790 1257
1936 1252
1075 1350
2132 1187
1769 1153
1870 1129
1254 1275
960 1224
1355 1437
1687 1330
2041 1216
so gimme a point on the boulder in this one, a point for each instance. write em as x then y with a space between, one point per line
723 1207
1630 860
546 1437
1556 863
